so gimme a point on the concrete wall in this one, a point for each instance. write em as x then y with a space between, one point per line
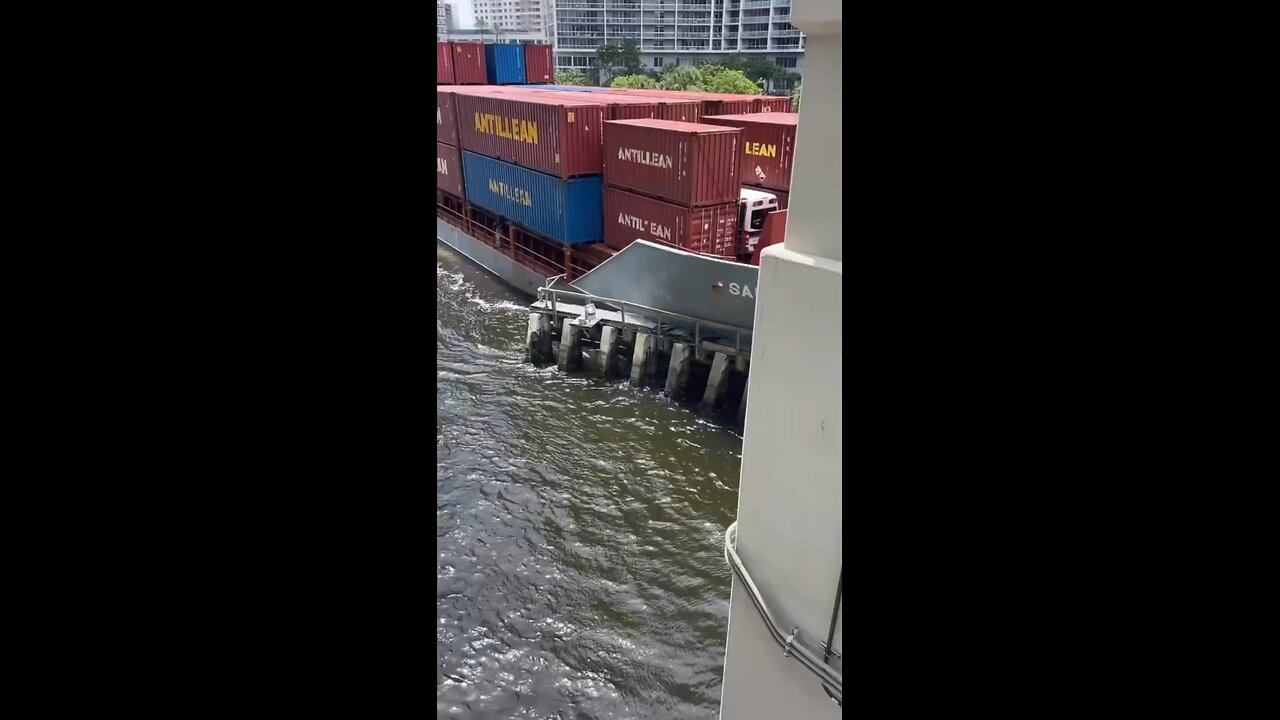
789 504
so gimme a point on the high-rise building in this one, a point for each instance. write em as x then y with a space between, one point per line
678 32
527 17
444 18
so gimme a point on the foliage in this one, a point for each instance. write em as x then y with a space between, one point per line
718 79
633 81
572 77
681 77
760 69
795 99
615 59
707 78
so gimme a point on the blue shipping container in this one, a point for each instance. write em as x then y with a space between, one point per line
505 64
567 211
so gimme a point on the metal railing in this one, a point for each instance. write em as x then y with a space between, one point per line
622 306
518 251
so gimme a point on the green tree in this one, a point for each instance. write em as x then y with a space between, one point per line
795 99
722 80
681 77
571 77
615 59
633 81
759 69
784 81
733 61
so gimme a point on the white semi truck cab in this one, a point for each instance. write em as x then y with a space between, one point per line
753 206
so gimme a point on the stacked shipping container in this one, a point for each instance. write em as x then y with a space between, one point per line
672 183
448 155
473 63
544 157
533 158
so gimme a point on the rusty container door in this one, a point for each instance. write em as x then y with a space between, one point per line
444 64
468 63
449 170
446 118
539 64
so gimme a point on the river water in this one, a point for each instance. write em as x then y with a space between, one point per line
580 525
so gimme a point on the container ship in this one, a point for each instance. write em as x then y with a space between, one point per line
659 198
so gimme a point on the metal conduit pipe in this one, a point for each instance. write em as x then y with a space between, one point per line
815 662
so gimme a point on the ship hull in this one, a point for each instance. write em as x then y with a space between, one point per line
644 273
676 281
510 271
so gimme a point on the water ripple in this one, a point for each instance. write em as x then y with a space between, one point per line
578 523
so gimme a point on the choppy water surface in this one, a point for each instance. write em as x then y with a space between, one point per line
580 528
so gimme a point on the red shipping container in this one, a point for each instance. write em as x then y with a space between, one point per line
449 170
468 63
783 196
728 107
768 147
712 103
560 137
684 163
773 233
672 105
444 64
711 230
539 65
681 109
773 104
685 110
446 118
621 107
